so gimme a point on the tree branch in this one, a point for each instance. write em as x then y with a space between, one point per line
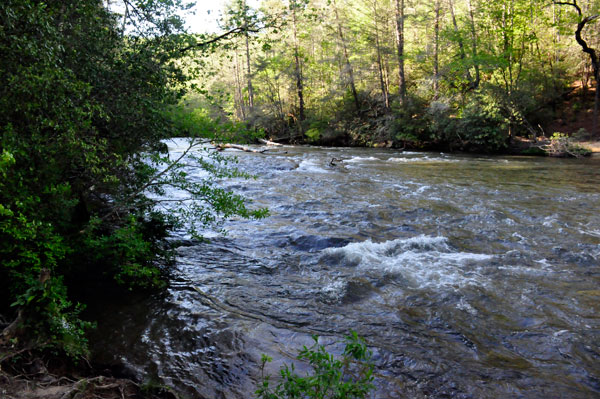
234 31
580 26
583 43
573 4
151 181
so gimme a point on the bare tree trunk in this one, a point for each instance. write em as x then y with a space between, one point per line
346 58
249 75
125 16
400 40
507 47
298 68
474 44
248 69
556 21
384 92
239 98
436 61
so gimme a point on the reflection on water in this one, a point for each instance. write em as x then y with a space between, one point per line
470 277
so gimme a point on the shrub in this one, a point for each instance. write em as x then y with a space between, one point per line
348 378
482 125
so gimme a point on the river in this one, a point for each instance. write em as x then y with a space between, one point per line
469 277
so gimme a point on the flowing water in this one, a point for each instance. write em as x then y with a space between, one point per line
469 277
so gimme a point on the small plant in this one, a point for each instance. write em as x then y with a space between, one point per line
348 378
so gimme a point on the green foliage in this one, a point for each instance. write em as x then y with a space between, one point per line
125 254
313 134
51 320
83 112
417 122
196 122
483 126
331 378
501 56
316 127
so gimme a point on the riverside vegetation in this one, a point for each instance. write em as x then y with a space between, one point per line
442 74
88 92
83 108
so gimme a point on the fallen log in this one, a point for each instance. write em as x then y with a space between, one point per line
269 142
221 147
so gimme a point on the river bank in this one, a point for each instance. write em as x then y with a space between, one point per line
34 374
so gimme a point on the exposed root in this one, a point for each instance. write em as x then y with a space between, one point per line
25 375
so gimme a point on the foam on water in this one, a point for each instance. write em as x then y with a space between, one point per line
419 159
310 165
593 233
334 290
423 261
360 159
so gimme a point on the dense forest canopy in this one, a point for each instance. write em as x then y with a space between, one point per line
464 74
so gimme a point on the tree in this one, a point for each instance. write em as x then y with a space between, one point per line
294 8
400 49
239 15
83 110
348 66
591 52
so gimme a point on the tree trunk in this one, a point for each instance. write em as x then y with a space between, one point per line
249 76
346 58
125 16
595 66
239 98
590 52
384 92
436 61
400 40
461 46
298 68
474 45
244 29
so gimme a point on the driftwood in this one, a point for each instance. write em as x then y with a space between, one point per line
268 142
221 147
562 147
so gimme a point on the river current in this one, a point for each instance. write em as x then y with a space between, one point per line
469 277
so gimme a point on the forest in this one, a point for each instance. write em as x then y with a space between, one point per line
91 89
456 75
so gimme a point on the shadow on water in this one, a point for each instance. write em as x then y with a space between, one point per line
470 277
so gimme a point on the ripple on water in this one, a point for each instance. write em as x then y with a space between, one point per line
471 277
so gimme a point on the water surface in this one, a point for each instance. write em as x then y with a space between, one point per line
470 277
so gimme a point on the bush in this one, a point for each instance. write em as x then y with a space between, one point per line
412 123
83 110
482 125
348 378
